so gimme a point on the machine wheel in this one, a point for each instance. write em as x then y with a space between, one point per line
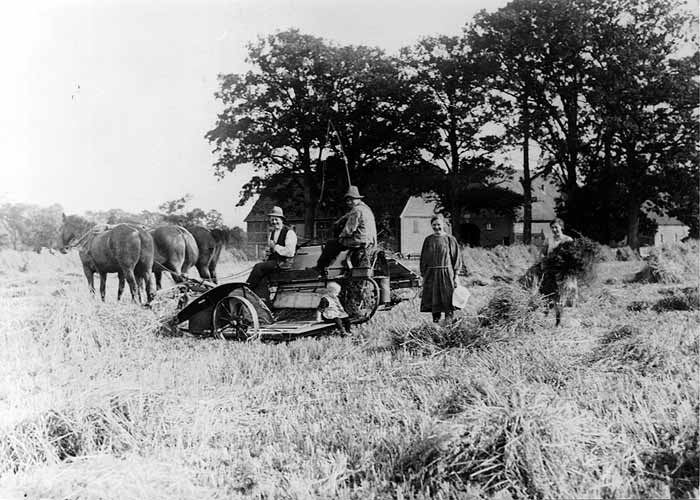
234 318
360 298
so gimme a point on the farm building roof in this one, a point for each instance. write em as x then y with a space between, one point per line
292 211
664 220
419 206
543 194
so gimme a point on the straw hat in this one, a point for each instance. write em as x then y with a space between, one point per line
353 192
276 212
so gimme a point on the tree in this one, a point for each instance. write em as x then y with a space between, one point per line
446 68
30 225
646 99
549 77
175 212
276 116
308 101
506 45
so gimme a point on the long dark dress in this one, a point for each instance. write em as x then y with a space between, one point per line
439 260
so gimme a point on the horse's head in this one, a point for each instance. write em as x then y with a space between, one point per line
71 230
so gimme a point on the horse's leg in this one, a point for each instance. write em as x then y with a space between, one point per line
90 278
103 285
212 272
131 280
158 273
174 272
120 290
148 280
203 271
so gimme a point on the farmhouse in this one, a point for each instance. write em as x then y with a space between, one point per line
668 230
483 228
415 224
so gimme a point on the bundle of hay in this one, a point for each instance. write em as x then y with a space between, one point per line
428 338
626 254
511 310
523 442
681 299
658 269
627 349
619 333
510 313
572 261
607 254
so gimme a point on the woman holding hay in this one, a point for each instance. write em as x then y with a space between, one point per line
558 237
439 260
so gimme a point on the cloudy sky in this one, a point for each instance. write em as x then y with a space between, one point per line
104 104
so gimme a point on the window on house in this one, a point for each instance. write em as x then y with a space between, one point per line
489 226
662 238
675 236
415 226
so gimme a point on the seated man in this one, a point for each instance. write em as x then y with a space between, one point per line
281 249
355 230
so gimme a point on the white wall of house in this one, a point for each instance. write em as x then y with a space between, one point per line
414 229
666 235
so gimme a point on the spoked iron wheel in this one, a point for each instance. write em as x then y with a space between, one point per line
235 318
360 299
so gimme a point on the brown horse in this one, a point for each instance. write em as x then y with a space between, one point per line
125 249
209 243
175 250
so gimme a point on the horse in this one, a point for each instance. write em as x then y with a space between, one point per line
125 249
209 243
175 249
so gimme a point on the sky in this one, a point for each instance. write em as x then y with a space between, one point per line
105 104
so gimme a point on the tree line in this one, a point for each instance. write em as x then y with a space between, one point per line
28 226
607 92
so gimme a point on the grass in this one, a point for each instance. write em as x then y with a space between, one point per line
94 404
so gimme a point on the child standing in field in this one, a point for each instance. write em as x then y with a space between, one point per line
330 310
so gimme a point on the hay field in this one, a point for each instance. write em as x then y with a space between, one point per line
95 405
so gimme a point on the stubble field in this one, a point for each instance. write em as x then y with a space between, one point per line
95 404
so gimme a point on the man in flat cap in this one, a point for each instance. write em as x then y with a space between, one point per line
282 246
356 229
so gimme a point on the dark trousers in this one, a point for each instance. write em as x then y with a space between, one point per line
330 251
257 280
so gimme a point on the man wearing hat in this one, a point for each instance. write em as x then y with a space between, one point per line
282 246
356 229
